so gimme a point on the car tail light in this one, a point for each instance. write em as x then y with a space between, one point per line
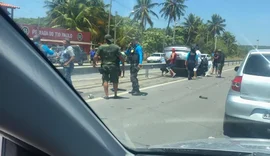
236 83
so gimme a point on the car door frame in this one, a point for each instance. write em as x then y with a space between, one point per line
57 125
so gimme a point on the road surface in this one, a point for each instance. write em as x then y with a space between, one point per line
171 112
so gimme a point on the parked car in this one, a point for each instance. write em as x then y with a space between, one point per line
207 56
247 106
80 55
156 58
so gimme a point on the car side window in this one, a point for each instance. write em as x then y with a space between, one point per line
10 148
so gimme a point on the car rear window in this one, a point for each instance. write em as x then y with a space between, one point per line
258 64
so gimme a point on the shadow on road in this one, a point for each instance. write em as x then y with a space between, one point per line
119 89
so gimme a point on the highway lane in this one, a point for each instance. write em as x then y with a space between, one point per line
172 111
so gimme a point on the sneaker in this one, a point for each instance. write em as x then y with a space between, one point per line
136 93
131 92
106 97
174 75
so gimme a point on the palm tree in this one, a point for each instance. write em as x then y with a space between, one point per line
142 11
191 25
80 15
71 15
216 25
173 10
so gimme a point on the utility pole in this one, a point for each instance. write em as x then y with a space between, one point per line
109 23
215 42
174 32
115 25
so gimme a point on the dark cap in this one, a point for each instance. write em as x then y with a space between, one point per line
36 38
108 38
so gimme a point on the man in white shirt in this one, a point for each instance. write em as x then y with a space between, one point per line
198 53
67 60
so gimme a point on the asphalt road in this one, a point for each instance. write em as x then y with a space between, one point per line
171 112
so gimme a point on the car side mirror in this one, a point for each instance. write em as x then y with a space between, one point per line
236 68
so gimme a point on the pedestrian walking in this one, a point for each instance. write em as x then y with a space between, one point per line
135 56
191 61
220 62
198 54
172 61
67 60
110 57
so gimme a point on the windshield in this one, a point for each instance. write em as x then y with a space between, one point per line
175 98
262 67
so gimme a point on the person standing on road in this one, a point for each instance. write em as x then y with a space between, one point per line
214 62
43 47
191 61
198 54
135 55
122 70
92 54
67 60
220 62
110 56
171 64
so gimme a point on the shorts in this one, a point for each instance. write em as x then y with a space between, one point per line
220 66
110 73
215 65
197 66
169 66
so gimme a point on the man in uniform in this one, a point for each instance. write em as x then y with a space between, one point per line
135 55
110 56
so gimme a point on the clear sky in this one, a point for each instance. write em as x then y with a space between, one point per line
248 20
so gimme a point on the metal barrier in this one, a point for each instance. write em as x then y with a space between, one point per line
79 70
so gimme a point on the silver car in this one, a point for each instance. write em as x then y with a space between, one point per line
247 109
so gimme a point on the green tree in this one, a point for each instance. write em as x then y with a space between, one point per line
154 40
142 11
172 10
216 25
80 15
191 24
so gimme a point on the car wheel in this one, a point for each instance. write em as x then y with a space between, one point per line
230 128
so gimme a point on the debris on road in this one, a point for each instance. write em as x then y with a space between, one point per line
203 97
90 96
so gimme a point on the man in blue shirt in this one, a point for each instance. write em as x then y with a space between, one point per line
191 61
135 56
44 48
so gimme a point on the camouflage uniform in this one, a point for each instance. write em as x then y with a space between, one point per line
109 55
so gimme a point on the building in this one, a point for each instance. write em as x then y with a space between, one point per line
55 36
8 8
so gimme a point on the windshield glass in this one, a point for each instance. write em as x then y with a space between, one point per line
102 48
262 67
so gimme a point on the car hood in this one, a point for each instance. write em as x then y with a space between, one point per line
220 144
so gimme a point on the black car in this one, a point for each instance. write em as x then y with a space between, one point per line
80 55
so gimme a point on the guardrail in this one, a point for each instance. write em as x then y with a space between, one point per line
147 67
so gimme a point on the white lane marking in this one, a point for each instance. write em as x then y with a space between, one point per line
99 77
150 87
